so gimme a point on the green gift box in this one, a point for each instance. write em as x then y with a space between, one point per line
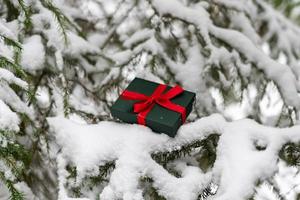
162 108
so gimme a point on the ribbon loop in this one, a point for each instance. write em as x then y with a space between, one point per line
147 102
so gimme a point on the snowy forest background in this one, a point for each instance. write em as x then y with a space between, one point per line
64 62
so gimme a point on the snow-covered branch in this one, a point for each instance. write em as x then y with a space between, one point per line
130 146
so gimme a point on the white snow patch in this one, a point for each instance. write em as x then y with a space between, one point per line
43 97
8 119
77 45
33 54
130 146
10 78
138 37
8 96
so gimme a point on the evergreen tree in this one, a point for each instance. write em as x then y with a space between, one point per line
67 61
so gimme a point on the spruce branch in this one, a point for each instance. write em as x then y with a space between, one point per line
13 12
62 19
163 157
66 94
15 156
290 153
14 193
113 30
12 66
11 42
59 16
151 192
26 10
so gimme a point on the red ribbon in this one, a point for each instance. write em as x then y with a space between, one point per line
146 103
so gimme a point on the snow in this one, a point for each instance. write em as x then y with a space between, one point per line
6 51
279 73
238 173
8 96
194 65
8 119
122 57
26 191
236 4
239 21
196 16
187 187
84 104
59 60
247 153
88 146
288 180
6 31
74 45
77 45
4 193
33 54
42 97
45 22
138 37
10 78
265 192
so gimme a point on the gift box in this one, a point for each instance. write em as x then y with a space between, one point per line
162 108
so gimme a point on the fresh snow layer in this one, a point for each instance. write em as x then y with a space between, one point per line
130 146
8 119
8 95
33 54
10 78
6 31
77 45
139 36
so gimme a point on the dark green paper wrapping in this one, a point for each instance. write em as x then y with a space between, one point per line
159 119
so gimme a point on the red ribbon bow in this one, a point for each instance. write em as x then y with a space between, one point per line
146 103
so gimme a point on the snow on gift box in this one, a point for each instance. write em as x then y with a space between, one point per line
160 107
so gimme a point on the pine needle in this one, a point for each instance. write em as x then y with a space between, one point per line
63 20
27 13
12 66
14 193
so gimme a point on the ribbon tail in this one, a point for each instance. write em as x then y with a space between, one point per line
141 117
